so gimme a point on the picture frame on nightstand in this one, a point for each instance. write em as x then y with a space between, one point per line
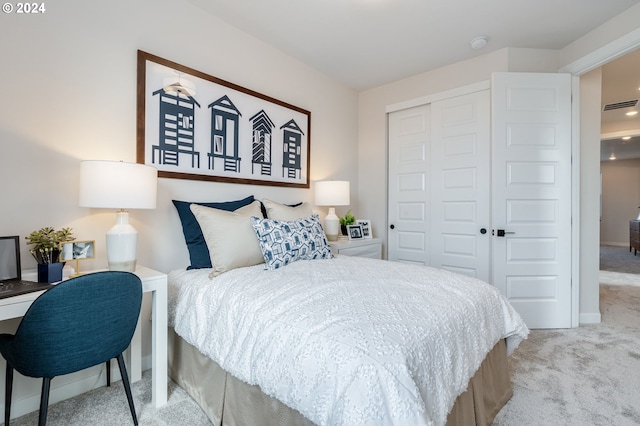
366 227
355 232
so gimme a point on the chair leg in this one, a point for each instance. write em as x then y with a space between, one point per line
44 401
109 373
127 388
8 388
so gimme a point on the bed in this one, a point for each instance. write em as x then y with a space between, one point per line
303 337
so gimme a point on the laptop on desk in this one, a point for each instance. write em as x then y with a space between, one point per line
11 282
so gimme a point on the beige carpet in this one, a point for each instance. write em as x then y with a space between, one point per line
107 406
619 278
588 375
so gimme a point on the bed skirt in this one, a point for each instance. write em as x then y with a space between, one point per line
228 401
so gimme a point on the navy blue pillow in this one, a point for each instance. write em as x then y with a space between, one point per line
264 209
198 251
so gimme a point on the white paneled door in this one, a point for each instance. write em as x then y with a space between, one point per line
409 185
531 119
480 184
460 184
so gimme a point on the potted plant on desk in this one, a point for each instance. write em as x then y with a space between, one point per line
46 251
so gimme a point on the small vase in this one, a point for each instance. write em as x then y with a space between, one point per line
50 272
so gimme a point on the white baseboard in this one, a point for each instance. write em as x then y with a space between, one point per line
593 318
614 244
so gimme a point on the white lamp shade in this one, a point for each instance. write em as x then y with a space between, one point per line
115 184
332 193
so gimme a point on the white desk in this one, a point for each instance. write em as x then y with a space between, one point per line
152 281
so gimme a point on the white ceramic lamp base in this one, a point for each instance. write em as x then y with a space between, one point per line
122 244
332 225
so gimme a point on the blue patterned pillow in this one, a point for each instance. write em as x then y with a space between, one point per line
284 242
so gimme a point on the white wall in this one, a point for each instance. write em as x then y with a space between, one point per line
69 94
620 200
590 91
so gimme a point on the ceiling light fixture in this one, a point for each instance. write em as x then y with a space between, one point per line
630 113
612 157
479 42
626 138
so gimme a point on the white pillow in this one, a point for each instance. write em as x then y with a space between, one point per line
230 237
285 242
277 211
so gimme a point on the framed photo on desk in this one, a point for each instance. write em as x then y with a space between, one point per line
78 250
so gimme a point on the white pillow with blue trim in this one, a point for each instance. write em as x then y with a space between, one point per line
284 242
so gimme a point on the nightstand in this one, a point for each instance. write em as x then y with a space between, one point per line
368 247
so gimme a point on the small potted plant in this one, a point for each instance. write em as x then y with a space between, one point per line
46 251
347 219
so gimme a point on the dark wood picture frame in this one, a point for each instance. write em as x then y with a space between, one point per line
191 125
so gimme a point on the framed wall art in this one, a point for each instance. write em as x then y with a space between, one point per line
191 125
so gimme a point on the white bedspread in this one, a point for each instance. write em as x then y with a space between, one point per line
347 341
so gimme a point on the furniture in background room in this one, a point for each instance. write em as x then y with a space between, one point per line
77 324
367 247
634 236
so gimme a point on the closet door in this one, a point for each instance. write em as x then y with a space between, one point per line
451 178
439 180
531 169
409 144
460 184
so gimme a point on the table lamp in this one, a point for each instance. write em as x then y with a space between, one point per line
120 185
332 193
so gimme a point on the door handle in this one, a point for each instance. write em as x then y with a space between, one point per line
392 226
502 232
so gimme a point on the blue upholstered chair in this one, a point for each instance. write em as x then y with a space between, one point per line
79 323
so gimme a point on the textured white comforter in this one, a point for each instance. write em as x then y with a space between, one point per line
347 341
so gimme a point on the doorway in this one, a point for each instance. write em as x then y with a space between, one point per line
620 168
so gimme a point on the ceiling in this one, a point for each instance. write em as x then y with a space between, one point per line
368 43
